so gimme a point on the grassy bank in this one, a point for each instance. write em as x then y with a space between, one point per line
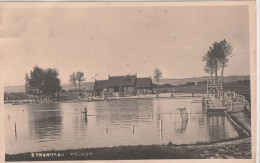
64 96
232 149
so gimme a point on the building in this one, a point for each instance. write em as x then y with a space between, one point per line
99 86
122 85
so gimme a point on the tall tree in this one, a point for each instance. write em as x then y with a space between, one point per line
73 79
157 75
212 65
27 83
225 53
217 57
80 77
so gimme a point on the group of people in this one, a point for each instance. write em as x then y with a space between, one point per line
232 94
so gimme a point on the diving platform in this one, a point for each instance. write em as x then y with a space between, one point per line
215 87
215 100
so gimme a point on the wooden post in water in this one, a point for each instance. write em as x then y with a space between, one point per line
160 124
106 129
86 112
15 126
133 128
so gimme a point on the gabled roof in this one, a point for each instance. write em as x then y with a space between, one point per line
128 80
100 84
143 82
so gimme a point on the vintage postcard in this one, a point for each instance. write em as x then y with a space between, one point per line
142 81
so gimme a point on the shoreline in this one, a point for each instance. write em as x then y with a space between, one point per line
231 148
88 99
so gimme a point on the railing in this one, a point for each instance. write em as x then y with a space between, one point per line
230 99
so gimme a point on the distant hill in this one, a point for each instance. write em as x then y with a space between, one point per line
227 79
14 89
89 85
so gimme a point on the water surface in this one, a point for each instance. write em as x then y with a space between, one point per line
63 126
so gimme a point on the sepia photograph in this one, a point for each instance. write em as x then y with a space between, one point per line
128 81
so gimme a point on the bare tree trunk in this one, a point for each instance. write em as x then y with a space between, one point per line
216 80
222 76
216 75
222 73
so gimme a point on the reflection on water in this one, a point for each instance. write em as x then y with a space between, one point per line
216 126
45 121
112 123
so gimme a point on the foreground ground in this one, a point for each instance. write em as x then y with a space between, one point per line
240 149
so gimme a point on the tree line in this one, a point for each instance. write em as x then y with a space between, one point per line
77 77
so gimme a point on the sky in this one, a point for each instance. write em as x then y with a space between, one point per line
120 40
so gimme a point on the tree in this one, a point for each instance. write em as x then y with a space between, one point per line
212 65
80 77
51 83
37 78
217 57
157 76
73 79
27 85
45 80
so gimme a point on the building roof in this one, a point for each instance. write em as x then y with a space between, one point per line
143 82
101 84
128 80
